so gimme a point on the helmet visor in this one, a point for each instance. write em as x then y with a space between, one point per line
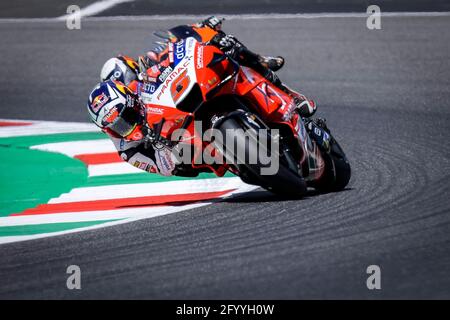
126 122
129 76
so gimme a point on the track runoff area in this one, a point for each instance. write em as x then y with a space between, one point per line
74 180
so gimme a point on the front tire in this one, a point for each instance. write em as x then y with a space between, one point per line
337 169
284 182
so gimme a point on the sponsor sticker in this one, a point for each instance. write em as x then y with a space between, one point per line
130 101
165 73
212 81
99 102
137 135
116 75
200 57
143 165
111 115
155 110
166 161
149 88
179 51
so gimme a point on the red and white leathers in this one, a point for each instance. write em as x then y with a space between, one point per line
156 158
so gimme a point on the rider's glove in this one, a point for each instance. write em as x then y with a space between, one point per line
213 22
149 136
227 43
153 138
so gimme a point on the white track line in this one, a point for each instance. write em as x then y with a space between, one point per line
110 169
66 217
124 213
45 127
147 189
73 148
94 8
133 215
273 16
168 210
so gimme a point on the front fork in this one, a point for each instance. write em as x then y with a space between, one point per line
311 162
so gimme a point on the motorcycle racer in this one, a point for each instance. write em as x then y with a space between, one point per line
118 111
116 105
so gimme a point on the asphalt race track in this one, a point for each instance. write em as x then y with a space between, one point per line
386 96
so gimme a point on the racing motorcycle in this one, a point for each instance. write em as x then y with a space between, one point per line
204 88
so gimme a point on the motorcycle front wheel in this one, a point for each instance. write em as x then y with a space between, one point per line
338 171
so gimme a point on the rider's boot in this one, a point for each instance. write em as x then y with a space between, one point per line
272 63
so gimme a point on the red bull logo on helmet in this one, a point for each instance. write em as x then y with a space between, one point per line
99 102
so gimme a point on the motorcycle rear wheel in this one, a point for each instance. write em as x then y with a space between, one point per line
284 182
